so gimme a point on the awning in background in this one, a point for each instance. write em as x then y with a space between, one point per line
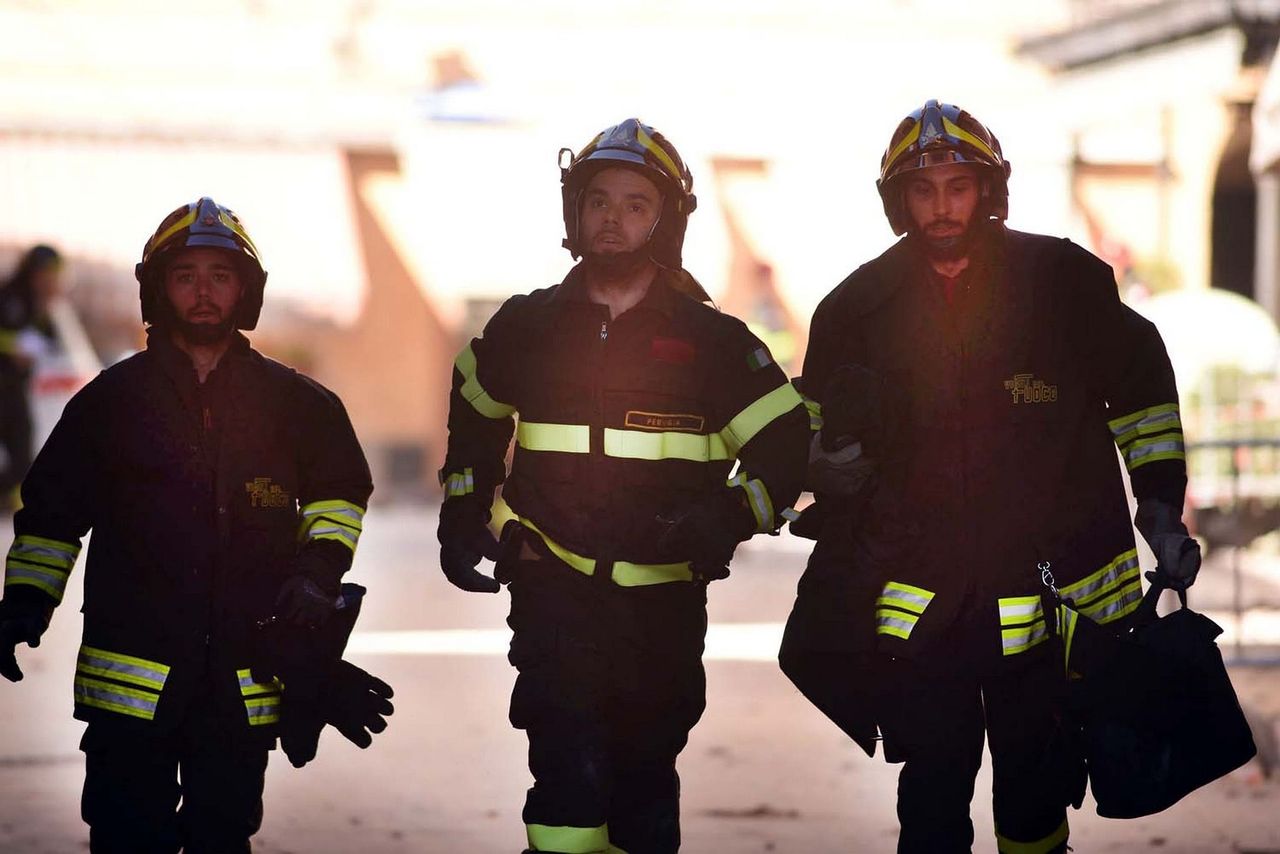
101 198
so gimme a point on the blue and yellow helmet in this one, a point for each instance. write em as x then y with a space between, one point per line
933 135
202 223
634 145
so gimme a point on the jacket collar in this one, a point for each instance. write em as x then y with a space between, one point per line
661 296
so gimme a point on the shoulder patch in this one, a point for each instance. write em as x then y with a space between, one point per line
759 358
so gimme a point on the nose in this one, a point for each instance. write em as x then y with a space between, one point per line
941 205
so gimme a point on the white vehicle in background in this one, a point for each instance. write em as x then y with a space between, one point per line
60 370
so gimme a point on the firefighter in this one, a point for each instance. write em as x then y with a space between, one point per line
634 399
1008 375
224 491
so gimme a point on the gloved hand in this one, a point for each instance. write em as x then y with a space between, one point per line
706 535
303 602
22 620
464 538
356 703
1177 553
843 473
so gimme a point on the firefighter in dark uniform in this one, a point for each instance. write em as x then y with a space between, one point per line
1009 373
633 400
223 489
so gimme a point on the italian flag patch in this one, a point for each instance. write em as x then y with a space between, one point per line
759 358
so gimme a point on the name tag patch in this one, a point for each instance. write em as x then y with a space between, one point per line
664 421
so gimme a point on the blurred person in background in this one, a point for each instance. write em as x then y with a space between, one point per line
225 493
26 335
634 399
985 378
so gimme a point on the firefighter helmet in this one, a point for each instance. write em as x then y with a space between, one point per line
635 145
202 223
940 133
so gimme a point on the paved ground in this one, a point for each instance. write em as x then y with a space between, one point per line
763 771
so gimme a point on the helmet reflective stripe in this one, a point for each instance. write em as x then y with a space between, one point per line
911 137
980 144
162 238
235 226
676 173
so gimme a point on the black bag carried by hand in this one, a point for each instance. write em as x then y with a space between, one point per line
1158 716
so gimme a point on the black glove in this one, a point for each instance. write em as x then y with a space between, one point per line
707 534
465 538
1177 553
356 703
303 602
23 619
843 474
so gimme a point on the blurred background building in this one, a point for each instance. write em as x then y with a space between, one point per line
396 163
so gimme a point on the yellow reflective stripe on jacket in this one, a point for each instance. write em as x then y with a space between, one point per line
1167 446
758 499
261 699
896 623
905 596
565 438
42 563
815 413
1022 623
116 698
8 341
1006 845
1094 595
1023 638
474 393
460 483
625 573
569 840
332 519
743 427
900 608
122 668
263 710
667 445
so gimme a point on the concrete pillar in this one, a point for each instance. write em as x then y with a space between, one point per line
1266 277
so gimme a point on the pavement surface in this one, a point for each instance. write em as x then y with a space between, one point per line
763 772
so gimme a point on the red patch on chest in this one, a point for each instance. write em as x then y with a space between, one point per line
677 351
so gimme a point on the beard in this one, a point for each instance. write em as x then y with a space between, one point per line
616 265
205 334
951 247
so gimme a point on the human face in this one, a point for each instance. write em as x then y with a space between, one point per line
203 288
619 210
941 200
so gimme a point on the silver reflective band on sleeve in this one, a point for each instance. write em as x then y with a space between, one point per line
790 514
1108 594
460 483
1019 609
1145 422
758 499
1168 446
249 688
332 519
122 668
97 694
41 562
474 393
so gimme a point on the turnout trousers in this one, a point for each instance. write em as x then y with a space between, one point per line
197 789
609 684
934 718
